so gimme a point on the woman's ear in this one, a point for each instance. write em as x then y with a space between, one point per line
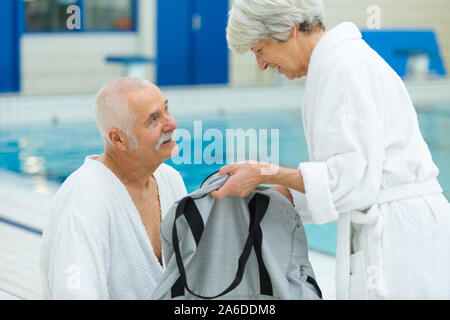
293 33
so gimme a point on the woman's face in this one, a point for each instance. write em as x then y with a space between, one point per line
290 58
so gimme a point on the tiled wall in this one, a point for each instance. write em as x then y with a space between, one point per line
56 63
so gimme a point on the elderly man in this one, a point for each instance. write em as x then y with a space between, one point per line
102 240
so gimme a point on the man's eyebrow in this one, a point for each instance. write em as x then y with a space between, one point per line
153 114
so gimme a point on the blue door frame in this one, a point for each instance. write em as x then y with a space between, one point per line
191 43
11 26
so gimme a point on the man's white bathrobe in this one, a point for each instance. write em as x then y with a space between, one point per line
372 171
95 245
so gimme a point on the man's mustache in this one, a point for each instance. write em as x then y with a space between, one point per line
165 137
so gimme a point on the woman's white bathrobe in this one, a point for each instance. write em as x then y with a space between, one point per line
372 171
95 245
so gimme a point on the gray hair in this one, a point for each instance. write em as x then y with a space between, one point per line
112 109
253 20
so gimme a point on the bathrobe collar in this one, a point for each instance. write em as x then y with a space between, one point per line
342 32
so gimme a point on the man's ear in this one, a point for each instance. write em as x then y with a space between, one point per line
118 139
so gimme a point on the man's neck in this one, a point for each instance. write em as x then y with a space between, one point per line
132 173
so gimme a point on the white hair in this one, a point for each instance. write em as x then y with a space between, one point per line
112 109
253 20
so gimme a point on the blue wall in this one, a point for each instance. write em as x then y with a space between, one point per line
396 46
10 52
187 56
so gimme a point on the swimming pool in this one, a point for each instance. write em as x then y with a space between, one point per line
55 150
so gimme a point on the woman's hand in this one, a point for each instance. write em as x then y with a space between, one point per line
244 178
285 192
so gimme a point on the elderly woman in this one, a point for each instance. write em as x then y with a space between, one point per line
370 169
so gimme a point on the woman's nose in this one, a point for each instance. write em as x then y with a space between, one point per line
262 64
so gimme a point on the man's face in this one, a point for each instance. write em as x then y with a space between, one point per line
154 126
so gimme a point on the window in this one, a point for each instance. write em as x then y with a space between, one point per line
46 15
96 15
108 15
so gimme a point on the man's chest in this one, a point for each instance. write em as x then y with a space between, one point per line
150 213
149 209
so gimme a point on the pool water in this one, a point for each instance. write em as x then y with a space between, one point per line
54 151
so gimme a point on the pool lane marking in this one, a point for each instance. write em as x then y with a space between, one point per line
21 226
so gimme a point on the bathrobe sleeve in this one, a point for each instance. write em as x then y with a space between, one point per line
345 137
78 267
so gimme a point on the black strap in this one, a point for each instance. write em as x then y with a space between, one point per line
194 219
312 281
257 207
208 177
187 208
264 278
